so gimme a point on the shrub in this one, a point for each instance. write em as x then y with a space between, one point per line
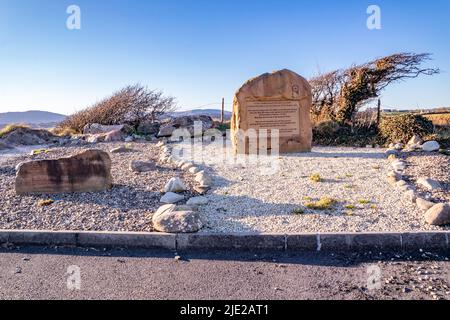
316 178
298 211
330 133
401 128
63 132
10 128
45 203
131 105
322 204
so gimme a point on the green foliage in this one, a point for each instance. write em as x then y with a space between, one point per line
298 211
323 204
330 133
401 128
316 178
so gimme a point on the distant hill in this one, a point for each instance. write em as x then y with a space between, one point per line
213 113
35 118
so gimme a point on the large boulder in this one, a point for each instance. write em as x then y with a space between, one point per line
172 219
279 101
438 215
89 171
186 122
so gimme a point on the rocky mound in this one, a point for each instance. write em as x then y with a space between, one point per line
27 137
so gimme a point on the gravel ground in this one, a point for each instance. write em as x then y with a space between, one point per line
127 207
247 199
435 166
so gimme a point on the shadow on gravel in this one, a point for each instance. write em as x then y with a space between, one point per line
338 155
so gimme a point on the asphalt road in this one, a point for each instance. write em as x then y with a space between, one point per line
42 273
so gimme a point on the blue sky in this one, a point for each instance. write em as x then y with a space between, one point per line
202 50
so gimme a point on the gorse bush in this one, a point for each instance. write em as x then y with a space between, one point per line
401 128
331 133
130 105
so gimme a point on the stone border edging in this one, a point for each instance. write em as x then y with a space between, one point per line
234 241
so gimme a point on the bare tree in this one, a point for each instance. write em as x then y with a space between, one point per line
341 93
131 105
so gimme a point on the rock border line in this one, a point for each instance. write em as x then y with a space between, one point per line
401 241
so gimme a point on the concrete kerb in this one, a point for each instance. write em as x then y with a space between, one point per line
234 241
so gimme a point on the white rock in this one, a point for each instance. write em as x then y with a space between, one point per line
122 149
399 165
438 215
171 198
424 204
431 146
171 219
175 185
198 201
411 196
194 170
187 166
160 144
203 180
401 183
429 184
399 146
415 140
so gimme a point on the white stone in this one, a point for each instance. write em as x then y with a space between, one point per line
401 183
194 170
175 185
399 165
424 204
198 201
438 215
171 198
187 166
399 146
172 219
429 184
411 196
431 146
203 179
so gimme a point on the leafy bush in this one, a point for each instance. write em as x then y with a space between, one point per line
330 133
323 204
401 128
315 178
131 105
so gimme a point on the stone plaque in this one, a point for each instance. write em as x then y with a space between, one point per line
275 114
280 100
